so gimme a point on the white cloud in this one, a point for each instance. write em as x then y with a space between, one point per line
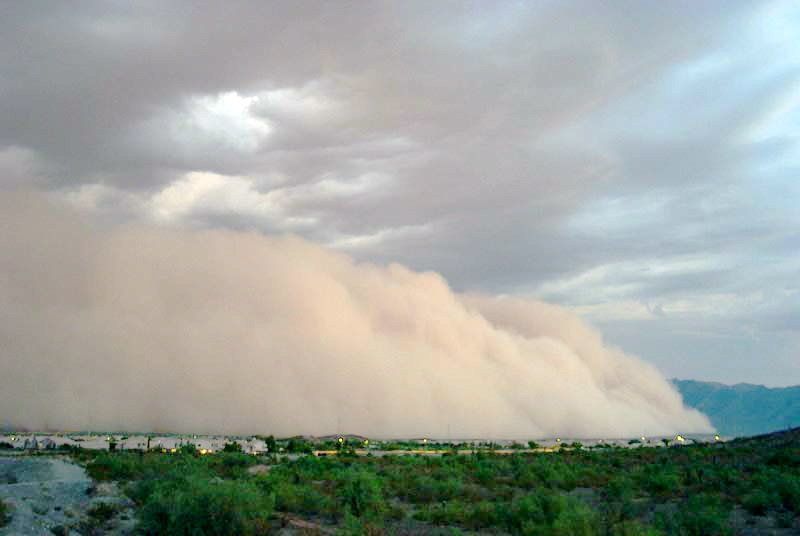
219 123
199 195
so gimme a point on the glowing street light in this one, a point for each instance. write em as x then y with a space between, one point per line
716 437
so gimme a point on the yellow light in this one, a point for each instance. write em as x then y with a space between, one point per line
173 450
558 440
341 440
203 451
366 441
716 438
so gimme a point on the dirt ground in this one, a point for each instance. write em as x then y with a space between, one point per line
51 495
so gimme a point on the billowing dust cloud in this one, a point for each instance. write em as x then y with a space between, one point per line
149 329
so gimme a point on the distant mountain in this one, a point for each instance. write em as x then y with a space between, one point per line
743 409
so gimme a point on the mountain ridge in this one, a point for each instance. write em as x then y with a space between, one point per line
743 409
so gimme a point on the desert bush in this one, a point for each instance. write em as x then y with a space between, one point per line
661 480
788 487
4 514
229 464
632 528
360 492
759 501
701 515
102 512
115 466
301 499
203 507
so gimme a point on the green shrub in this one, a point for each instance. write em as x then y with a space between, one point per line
702 515
633 528
759 501
230 464
789 489
4 515
575 520
102 512
115 466
662 481
360 491
204 507
301 499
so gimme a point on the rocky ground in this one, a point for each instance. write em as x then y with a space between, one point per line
51 495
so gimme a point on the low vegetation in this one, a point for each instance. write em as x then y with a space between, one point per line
708 489
4 514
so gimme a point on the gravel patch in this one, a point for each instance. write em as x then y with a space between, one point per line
45 493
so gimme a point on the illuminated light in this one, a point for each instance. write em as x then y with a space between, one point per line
173 450
366 442
716 438
341 440
425 441
644 439
680 438
203 451
558 440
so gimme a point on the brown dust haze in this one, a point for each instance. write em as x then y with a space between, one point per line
211 331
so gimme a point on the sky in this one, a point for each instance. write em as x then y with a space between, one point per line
635 162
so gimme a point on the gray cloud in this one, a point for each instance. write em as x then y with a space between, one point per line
563 151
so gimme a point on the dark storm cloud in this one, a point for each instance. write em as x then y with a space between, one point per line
599 155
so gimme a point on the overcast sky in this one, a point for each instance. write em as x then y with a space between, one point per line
635 161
